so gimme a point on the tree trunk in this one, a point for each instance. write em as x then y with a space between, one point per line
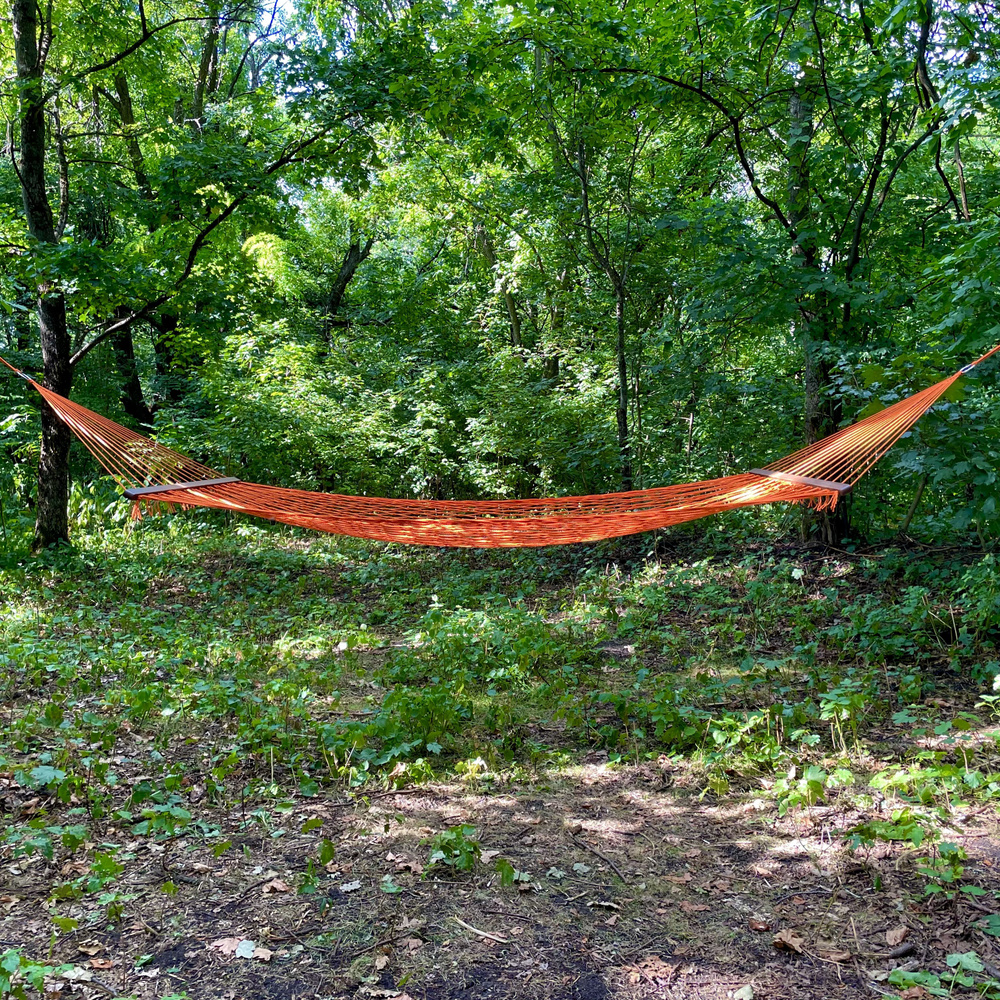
624 447
171 374
132 400
30 49
510 303
355 256
203 81
816 319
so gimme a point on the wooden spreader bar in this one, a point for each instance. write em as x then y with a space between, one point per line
823 484
146 491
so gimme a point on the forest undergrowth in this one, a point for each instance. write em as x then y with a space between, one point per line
244 762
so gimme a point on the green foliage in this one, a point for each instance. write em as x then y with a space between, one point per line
964 969
455 848
19 974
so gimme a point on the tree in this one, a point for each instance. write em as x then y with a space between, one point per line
219 156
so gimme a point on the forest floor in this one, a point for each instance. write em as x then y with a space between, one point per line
259 765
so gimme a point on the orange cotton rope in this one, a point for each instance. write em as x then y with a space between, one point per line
831 465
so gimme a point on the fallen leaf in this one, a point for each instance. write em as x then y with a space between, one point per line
798 901
693 853
788 940
896 935
612 920
76 974
679 879
412 944
90 948
914 993
102 963
759 925
262 954
687 907
226 946
276 885
381 962
581 869
744 993
488 856
835 955
350 886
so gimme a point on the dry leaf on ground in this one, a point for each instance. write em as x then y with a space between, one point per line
687 907
276 885
759 925
835 955
788 940
896 936
226 946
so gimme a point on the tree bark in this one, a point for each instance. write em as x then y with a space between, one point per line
510 303
31 41
355 256
132 400
815 312
171 374
621 414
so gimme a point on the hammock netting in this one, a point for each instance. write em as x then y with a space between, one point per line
817 475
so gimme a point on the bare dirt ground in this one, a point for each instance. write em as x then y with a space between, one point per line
630 885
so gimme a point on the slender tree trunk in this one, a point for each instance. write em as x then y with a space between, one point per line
510 303
816 314
132 400
354 257
31 42
624 446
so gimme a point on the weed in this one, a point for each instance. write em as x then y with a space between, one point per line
456 848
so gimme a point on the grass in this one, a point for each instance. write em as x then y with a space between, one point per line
634 771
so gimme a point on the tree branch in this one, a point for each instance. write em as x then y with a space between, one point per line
147 34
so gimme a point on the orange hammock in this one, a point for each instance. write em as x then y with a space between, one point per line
816 475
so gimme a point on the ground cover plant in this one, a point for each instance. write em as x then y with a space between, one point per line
239 761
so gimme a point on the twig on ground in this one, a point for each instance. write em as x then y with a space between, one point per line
246 893
392 791
479 933
378 944
513 916
803 892
603 857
